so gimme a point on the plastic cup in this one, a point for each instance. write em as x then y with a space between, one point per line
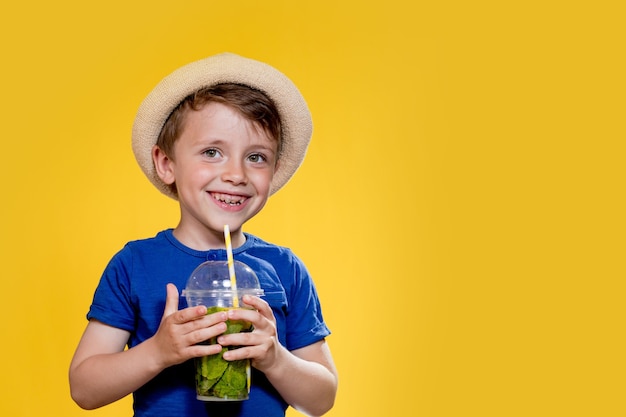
210 285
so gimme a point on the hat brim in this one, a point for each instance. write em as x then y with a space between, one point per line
297 126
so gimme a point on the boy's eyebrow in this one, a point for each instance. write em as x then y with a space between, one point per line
208 139
267 145
205 142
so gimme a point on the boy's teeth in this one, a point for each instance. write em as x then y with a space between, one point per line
228 199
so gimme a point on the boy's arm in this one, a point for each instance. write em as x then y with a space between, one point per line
306 378
102 372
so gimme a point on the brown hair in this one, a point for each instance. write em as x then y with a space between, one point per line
253 105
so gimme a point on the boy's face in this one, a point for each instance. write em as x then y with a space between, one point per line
223 167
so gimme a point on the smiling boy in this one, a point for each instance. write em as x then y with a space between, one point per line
220 136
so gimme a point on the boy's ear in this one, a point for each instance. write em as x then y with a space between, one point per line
163 165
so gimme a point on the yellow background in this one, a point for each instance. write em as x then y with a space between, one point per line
461 207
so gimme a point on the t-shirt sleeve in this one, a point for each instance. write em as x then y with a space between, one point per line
112 303
305 321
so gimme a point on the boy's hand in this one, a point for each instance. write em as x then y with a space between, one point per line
180 331
261 345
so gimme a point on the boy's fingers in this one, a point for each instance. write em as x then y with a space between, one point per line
260 308
260 305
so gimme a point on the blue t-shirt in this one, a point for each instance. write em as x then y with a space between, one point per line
131 296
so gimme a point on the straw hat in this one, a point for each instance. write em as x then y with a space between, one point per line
294 113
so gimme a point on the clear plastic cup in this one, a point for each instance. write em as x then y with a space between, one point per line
210 285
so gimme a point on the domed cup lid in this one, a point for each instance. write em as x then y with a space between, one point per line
212 279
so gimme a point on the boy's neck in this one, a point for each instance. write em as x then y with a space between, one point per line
203 241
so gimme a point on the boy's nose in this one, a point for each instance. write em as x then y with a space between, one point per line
234 172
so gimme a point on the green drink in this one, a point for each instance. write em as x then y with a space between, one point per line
218 379
210 285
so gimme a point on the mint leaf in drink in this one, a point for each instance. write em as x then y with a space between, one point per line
234 382
210 370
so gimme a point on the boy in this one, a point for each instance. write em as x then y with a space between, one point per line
219 135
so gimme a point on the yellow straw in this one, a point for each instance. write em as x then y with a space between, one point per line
231 266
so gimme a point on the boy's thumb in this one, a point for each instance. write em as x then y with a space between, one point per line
171 300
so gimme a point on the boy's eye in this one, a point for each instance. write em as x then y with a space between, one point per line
211 153
257 157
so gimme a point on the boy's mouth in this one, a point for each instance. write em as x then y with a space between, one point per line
233 200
